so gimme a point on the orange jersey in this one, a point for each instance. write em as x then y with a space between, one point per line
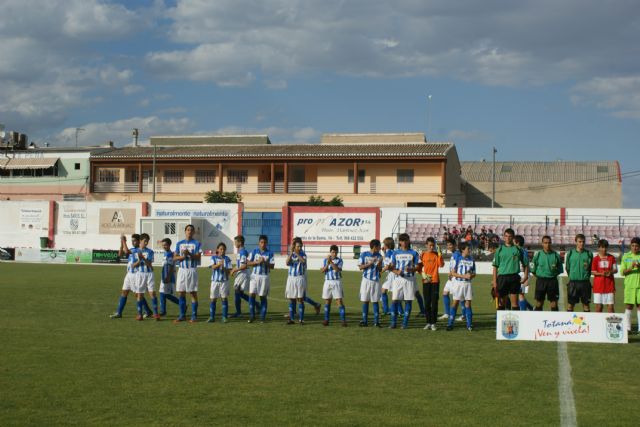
431 262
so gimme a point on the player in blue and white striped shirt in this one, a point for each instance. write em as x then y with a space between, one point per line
296 280
220 268
187 255
129 279
242 275
167 277
462 271
262 261
332 289
388 245
405 264
144 276
370 263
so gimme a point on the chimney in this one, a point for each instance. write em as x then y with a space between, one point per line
135 134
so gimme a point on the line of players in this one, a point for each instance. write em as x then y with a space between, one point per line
511 272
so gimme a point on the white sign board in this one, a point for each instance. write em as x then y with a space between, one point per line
31 218
74 220
344 227
561 326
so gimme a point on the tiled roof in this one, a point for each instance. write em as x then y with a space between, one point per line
284 151
541 171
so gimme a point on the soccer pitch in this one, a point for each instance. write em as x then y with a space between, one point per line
64 361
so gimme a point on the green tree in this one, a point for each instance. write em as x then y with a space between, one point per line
222 197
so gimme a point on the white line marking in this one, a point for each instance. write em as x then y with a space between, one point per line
565 382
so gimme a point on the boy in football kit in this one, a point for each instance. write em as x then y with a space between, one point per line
506 280
388 245
296 286
630 268
546 266
522 298
332 288
262 261
430 263
130 278
578 267
446 299
167 277
604 269
144 277
220 267
241 273
370 263
188 254
462 271
405 264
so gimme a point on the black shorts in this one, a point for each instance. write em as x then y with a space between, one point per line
579 290
508 284
547 287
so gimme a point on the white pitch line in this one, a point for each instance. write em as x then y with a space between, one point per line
565 382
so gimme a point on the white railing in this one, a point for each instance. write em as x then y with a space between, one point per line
398 188
303 187
115 187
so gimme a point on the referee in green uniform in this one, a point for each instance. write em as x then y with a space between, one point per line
546 266
506 271
578 268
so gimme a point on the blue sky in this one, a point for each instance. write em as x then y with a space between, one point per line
541 80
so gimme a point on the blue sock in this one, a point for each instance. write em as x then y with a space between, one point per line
139 307
212 309
342 313
420 302
292 309
446 301
121 303
394 313
327 310
385 303
225 308
469 316
301 311
154 304
452 315
163 303
194 310
244 296
365 312
523 305
252 307
263 308
146 307
529 306
182 304
463 310
237 301
376 312
399 309
407 313
310 301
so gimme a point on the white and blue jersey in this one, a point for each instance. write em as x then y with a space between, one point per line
298 264
462 265
132 258
241 260
220 274
168 271
145 254
372 272
331 274
404 259
263 268
193 246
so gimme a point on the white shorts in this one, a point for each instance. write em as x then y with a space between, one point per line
129 283
259 285
369 290
605 299
166 288
187 280
462 291
447 287
524 289
219 289
332 289
296 287
388 283
241 282
404 289
144 282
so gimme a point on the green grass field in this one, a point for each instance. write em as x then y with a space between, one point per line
63 361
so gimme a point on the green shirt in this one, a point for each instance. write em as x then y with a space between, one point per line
546 264
508 259
631 280
578 265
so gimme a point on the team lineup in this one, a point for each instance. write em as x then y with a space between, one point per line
512 270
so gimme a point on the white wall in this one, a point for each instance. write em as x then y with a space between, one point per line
12 234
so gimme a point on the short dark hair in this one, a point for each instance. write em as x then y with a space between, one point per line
493 245
135 236
239 238
374 243
635 240
509 231
452 242
519 239
167 241
263 237
603 243
223 245
463 246
546 237
404 237
333 248
389 243
431 240
145 236
190 225
297 240
580 236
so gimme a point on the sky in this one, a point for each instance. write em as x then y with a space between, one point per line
539 80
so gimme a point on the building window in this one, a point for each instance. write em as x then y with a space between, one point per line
173 176
404 176
131 175
205 176
169 228
361 173
237 176
108 175
76 166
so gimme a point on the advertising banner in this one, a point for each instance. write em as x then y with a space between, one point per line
27 254
53 256
31 218
79 256
106 256
117 221
561 326
344 226
73 220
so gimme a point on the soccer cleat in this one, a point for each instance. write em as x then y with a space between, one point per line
193 320
301 322
470 328
377 325
145 315
211 320
428 327
115 316
325 323
224 320
179 319
461 319
139 317
344 323
444 317
433 327
317 307
449 328
156 316
253 319
363 324
290 322
392 326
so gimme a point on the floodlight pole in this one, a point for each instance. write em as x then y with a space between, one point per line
428 117
493 194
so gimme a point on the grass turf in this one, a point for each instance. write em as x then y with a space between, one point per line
63 361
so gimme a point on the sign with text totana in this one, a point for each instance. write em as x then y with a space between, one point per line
343 227
561 326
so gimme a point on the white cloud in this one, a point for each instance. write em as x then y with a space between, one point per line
618 95
131 89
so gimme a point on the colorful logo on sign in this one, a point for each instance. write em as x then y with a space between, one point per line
510 326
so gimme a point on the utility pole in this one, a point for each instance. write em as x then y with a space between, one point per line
493 194
428 117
